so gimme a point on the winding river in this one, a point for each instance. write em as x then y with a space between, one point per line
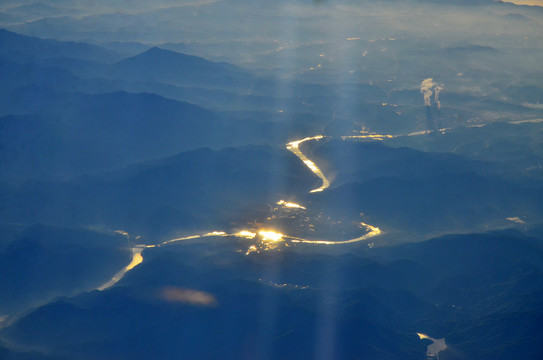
268 239
264 239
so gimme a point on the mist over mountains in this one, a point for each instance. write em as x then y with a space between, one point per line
264 180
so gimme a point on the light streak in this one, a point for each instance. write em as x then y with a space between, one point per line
516 219
251 249
290 205
137 259
518 122
246 234
180 239
295 144
373 231
216 233
368 136
294 147
268 235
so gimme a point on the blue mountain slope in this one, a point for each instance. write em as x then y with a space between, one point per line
377 299
15 75
34 267
438 203
195 190
71 133
171 67
13 43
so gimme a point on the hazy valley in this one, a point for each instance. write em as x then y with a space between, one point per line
254 180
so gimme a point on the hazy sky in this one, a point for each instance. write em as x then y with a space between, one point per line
527 2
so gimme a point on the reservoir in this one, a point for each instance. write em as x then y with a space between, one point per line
432 352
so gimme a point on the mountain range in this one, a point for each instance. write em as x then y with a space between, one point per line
270 180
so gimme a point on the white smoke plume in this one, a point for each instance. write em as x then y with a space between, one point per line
437 90
427 88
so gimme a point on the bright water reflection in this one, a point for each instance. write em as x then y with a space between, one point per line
295 149
290 205
263 239
435 347
136 259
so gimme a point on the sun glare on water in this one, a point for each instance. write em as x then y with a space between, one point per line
290 204
268 235
246 234
216 233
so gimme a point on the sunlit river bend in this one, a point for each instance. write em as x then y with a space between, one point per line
269 239
264 239
268 236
